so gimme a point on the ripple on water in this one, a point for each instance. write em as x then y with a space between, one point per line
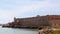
17 31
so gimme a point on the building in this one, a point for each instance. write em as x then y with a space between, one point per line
54 20
37 22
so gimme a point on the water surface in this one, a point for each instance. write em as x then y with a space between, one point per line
17 31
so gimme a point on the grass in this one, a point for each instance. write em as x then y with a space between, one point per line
55 32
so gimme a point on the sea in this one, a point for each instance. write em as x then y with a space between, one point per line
17 31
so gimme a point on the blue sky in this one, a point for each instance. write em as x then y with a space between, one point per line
27 8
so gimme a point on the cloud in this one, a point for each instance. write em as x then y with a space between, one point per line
24 8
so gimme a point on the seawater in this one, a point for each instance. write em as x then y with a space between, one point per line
17 31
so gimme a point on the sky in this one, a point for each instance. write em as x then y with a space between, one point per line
27 8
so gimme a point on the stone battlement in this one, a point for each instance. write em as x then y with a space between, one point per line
37 22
